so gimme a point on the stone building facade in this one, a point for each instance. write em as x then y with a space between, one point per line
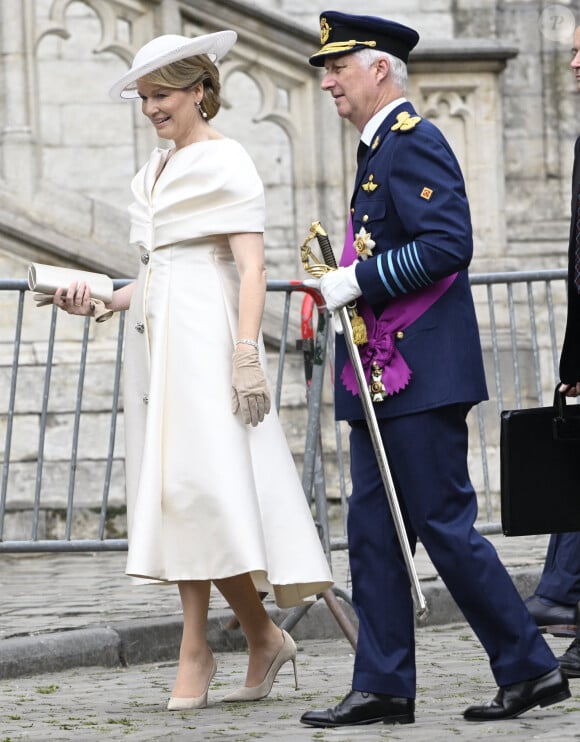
484 70
493 74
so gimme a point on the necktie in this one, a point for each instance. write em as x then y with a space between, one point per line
577 247
361 151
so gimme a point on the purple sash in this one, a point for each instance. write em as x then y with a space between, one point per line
396 317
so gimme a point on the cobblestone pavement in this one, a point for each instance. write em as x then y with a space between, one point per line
59 594
128 704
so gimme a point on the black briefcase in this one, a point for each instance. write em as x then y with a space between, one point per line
540 469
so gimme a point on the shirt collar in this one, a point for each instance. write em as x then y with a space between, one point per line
373 124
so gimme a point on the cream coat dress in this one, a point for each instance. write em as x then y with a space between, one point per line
207 496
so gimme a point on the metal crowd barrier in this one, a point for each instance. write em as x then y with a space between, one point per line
521 316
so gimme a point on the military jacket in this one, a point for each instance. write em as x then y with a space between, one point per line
409 196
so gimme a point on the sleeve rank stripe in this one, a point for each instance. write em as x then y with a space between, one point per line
394 276
409 271
381 270
403 272
425 278
414 267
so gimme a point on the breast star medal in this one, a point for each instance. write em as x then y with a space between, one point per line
363 244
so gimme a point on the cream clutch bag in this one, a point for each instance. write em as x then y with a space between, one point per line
46 279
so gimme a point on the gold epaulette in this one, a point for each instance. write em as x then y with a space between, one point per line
405 122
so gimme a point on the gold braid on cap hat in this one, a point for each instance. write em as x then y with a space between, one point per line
339 46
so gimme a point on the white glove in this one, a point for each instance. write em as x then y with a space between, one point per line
314 283
339 287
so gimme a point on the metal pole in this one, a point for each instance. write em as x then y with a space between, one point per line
389 485
330 263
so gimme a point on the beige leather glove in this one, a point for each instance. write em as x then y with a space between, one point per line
100 311
250 395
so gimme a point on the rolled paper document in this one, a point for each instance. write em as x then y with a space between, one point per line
46 279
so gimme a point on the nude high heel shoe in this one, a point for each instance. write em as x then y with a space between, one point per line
194 702
257 692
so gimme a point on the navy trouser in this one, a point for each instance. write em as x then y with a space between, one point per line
427 454
560 579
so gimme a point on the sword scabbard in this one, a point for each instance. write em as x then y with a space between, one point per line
345 315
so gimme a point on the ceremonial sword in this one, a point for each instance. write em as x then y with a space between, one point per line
318 269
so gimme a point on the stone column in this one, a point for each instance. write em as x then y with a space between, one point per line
18 152
457 86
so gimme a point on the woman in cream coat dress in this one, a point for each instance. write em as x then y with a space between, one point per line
212 490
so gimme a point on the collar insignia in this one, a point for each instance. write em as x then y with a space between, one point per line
405 122
376 142
370 185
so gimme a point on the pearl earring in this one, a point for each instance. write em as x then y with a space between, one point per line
202 113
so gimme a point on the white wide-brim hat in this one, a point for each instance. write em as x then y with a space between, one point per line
167 49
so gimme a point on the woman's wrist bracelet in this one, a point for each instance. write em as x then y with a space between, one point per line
247 341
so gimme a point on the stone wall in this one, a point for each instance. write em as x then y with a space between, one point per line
68 152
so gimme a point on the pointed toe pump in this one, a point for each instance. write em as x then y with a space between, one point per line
176 703
257 692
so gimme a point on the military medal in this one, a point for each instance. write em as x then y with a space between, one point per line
363 244
376 387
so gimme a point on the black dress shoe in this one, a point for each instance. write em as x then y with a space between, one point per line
363 708
570 660
513 700
545 613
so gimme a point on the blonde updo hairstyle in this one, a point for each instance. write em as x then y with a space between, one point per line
187 73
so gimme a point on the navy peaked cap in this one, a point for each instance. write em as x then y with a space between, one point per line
342 33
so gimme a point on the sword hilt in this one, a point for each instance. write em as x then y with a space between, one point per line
326 249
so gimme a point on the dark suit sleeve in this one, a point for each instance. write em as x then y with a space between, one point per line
570 357
427 195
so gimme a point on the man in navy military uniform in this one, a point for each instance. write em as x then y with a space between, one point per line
406 268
